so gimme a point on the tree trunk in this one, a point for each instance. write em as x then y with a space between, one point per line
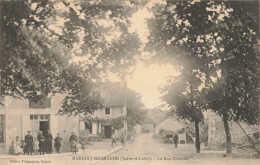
197 134
228 135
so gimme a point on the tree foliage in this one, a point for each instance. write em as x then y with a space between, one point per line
135 109
220 40
51 47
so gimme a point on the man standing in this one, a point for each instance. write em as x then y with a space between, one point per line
57 144
113 138
176 139
122 138
41 140
48 142
28 143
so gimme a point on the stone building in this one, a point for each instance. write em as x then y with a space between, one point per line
100 123
216 131
19 116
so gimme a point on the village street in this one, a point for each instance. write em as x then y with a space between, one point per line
145 149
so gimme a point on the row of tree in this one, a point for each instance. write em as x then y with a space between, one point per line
50 47
216 45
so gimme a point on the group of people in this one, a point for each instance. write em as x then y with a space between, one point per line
37 145
43 143
122 138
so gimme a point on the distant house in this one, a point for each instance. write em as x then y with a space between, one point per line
138 128
114 101
19 116
171 125
147 126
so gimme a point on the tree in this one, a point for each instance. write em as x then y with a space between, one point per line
54 47
220 40
186 98
135 111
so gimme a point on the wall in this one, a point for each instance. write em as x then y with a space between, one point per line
66 125
17 121
216 132
115 112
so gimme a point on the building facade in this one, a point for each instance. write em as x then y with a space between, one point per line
101 122
19 116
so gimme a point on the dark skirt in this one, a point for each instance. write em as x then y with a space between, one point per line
48 146
74 147
41 146
28 148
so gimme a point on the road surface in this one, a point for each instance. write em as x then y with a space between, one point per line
144 150
147 150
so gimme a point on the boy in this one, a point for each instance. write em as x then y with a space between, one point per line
57 144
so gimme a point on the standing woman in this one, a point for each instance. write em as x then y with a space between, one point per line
29 143
73 142
41 140
48 140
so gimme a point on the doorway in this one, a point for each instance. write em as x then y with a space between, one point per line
44 127
39 122
108 131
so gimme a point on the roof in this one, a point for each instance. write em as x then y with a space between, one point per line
113 94
171 124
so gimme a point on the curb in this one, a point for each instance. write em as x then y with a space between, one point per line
109 153
52 155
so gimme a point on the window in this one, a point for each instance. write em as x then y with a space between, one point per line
42 117
39 117
35 117
107 111
2 129
88 126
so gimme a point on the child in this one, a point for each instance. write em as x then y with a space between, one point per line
57 144
35 146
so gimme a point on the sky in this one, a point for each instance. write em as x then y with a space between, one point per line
147 81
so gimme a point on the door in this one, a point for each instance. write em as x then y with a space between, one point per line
44 127
108 131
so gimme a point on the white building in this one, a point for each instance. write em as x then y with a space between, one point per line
19 116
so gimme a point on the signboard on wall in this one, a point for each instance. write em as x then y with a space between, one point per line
44 103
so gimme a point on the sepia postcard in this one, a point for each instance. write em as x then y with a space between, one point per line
129 82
